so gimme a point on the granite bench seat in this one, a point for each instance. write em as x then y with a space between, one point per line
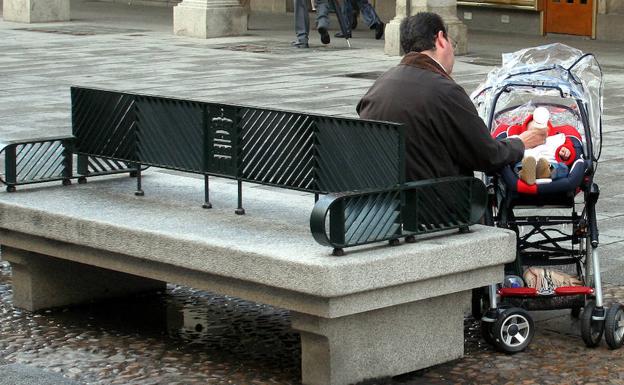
378 311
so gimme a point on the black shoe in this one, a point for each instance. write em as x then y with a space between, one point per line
340 34
379 30
325 39
300 44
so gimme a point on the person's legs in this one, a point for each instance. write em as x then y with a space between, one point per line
302 23
371 18
368 13
322 19
349 13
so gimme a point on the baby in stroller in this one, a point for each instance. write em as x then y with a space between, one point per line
550 160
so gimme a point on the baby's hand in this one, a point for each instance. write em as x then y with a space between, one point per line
564 153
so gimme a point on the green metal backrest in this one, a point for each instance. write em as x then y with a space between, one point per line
293 150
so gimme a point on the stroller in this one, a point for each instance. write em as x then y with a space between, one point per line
555 219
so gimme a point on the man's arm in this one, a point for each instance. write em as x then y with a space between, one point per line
468 138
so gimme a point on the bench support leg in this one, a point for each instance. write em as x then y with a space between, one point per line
139 192
240 210
383 342
207 204
41 281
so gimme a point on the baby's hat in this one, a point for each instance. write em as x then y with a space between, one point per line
540 117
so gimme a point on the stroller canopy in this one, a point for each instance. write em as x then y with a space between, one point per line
548 70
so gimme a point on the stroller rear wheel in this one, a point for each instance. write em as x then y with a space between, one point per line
591 330
513 330
614 326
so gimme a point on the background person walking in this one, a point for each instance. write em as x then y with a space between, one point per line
368 14
302 23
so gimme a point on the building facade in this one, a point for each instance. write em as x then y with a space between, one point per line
597 19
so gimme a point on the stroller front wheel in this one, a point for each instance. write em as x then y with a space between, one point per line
591 329
614 326
513 330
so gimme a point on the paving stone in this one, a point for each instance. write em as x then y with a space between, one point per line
190 337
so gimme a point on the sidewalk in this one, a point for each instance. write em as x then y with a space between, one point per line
131 48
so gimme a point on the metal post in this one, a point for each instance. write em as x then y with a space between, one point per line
10 167
240 210
492 293
68 166
597 279
139 192
207 204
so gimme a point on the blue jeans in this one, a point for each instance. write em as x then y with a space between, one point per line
366 9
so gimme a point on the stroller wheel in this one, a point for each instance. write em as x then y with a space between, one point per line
513 330
591 330
614 326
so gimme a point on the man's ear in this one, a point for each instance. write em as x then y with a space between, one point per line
439 42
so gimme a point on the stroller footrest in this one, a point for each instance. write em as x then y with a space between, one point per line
517 292
574 290
532 292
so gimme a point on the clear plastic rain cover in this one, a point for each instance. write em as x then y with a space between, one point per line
553 75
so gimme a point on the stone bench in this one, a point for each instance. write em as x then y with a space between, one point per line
378 311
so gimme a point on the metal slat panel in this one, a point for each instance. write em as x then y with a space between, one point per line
355 155
40 161
362 217
170 133
277 148
103 123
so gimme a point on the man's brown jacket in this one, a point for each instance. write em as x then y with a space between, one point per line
444 134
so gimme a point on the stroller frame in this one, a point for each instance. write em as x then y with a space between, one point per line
506 323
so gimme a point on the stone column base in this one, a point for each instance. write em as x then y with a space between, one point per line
35 11
194 19
392 37
381 343
41 282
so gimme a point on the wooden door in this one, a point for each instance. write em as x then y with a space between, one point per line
572 17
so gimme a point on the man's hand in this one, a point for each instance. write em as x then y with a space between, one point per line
532 138
565 153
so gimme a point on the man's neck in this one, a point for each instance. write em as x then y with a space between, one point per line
432 55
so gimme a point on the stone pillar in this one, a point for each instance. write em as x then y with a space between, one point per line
445 8
455 28
209 18
41 281
392 33
383 342
35 11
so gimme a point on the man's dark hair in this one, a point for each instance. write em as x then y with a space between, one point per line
418 32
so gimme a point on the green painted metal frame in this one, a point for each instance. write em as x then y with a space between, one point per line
360 217
313 153
358 163
37 161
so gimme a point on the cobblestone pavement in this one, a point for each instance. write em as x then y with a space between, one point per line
183 336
